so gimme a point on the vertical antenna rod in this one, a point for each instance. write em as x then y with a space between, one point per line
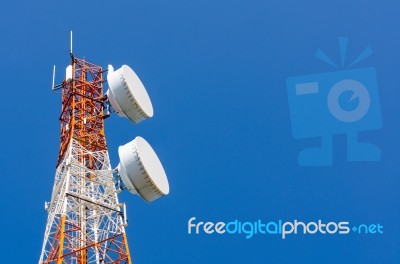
54 76
70 47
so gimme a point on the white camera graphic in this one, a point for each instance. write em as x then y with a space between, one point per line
339 102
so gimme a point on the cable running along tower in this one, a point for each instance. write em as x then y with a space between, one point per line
86 222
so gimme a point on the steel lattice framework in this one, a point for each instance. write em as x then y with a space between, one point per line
85 220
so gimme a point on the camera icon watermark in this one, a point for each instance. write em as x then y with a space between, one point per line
340 102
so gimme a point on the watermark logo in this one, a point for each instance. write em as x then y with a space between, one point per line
280 228
344 101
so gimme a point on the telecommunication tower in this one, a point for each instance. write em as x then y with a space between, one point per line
86 222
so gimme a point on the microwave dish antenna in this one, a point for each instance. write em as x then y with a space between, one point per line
127 94
141 170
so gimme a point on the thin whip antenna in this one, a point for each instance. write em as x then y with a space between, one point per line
70 47
54 76
58 86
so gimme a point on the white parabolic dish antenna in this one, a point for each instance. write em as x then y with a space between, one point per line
141 171
127 94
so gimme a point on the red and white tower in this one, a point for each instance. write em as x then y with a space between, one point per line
86 222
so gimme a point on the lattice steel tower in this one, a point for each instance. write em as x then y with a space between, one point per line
86 222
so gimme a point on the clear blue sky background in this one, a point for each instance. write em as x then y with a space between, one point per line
216 73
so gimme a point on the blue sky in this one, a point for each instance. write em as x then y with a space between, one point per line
216 73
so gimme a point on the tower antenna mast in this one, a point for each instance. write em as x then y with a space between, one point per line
86 222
